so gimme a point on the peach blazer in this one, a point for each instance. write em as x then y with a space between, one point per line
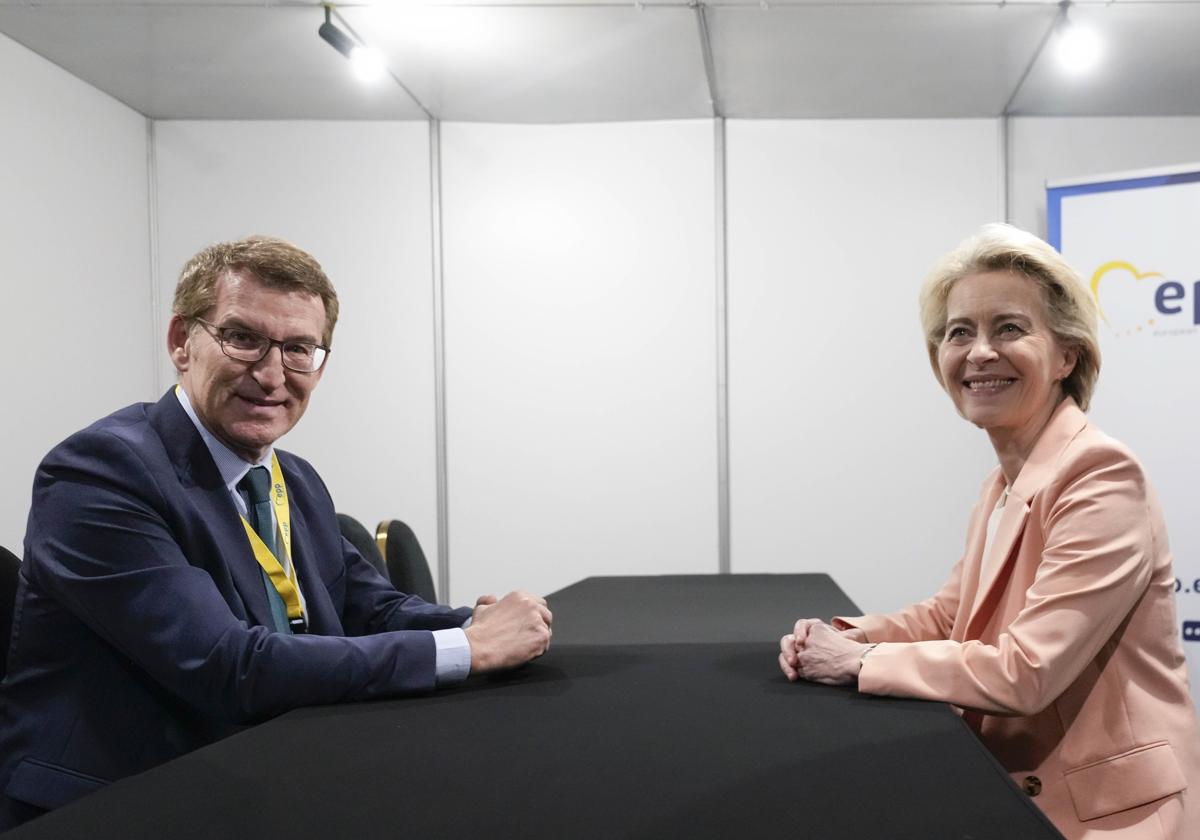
1066 658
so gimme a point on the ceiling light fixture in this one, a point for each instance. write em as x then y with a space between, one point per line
1079 46
366 62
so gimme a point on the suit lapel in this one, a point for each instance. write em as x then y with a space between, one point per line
1066 422
322 618
201 483
994 571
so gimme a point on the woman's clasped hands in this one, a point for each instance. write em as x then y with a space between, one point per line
817 652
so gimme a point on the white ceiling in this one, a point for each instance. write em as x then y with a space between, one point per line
583 61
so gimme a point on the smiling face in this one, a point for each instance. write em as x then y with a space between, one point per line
248 405
999 361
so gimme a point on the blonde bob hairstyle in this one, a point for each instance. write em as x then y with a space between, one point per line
1070 309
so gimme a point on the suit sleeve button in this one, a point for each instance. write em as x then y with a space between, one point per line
1032 785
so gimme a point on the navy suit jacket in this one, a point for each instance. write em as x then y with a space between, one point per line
141 625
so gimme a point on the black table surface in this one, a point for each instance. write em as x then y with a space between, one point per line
620 739
689 609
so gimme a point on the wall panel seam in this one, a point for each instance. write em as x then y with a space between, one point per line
439 361
724 560
1005 198
156 321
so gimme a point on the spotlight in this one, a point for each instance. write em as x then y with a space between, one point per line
335 37
1079 46
366 62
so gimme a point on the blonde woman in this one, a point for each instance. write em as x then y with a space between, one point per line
1056 632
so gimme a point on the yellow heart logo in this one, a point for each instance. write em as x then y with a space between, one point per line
1122 266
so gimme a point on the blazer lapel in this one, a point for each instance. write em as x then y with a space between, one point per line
996 562
1064 424
322 618
201 483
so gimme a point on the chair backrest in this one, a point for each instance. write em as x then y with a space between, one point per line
10 567
406 563
361 538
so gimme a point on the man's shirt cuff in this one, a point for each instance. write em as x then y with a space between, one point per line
453 661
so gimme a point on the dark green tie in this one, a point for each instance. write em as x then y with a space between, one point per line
256 489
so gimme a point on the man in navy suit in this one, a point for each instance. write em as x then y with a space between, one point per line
183 579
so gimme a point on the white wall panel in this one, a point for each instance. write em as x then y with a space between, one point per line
845 455
580 331
356 196
76 276
1045 149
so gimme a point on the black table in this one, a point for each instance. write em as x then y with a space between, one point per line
692 609
633 726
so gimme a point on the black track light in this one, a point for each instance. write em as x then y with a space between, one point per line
367 62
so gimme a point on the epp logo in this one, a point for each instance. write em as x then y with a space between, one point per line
1129 298
1191 631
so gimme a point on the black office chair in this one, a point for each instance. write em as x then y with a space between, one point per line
10 567
406 562
360 538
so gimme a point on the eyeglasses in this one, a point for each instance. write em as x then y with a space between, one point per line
250 346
